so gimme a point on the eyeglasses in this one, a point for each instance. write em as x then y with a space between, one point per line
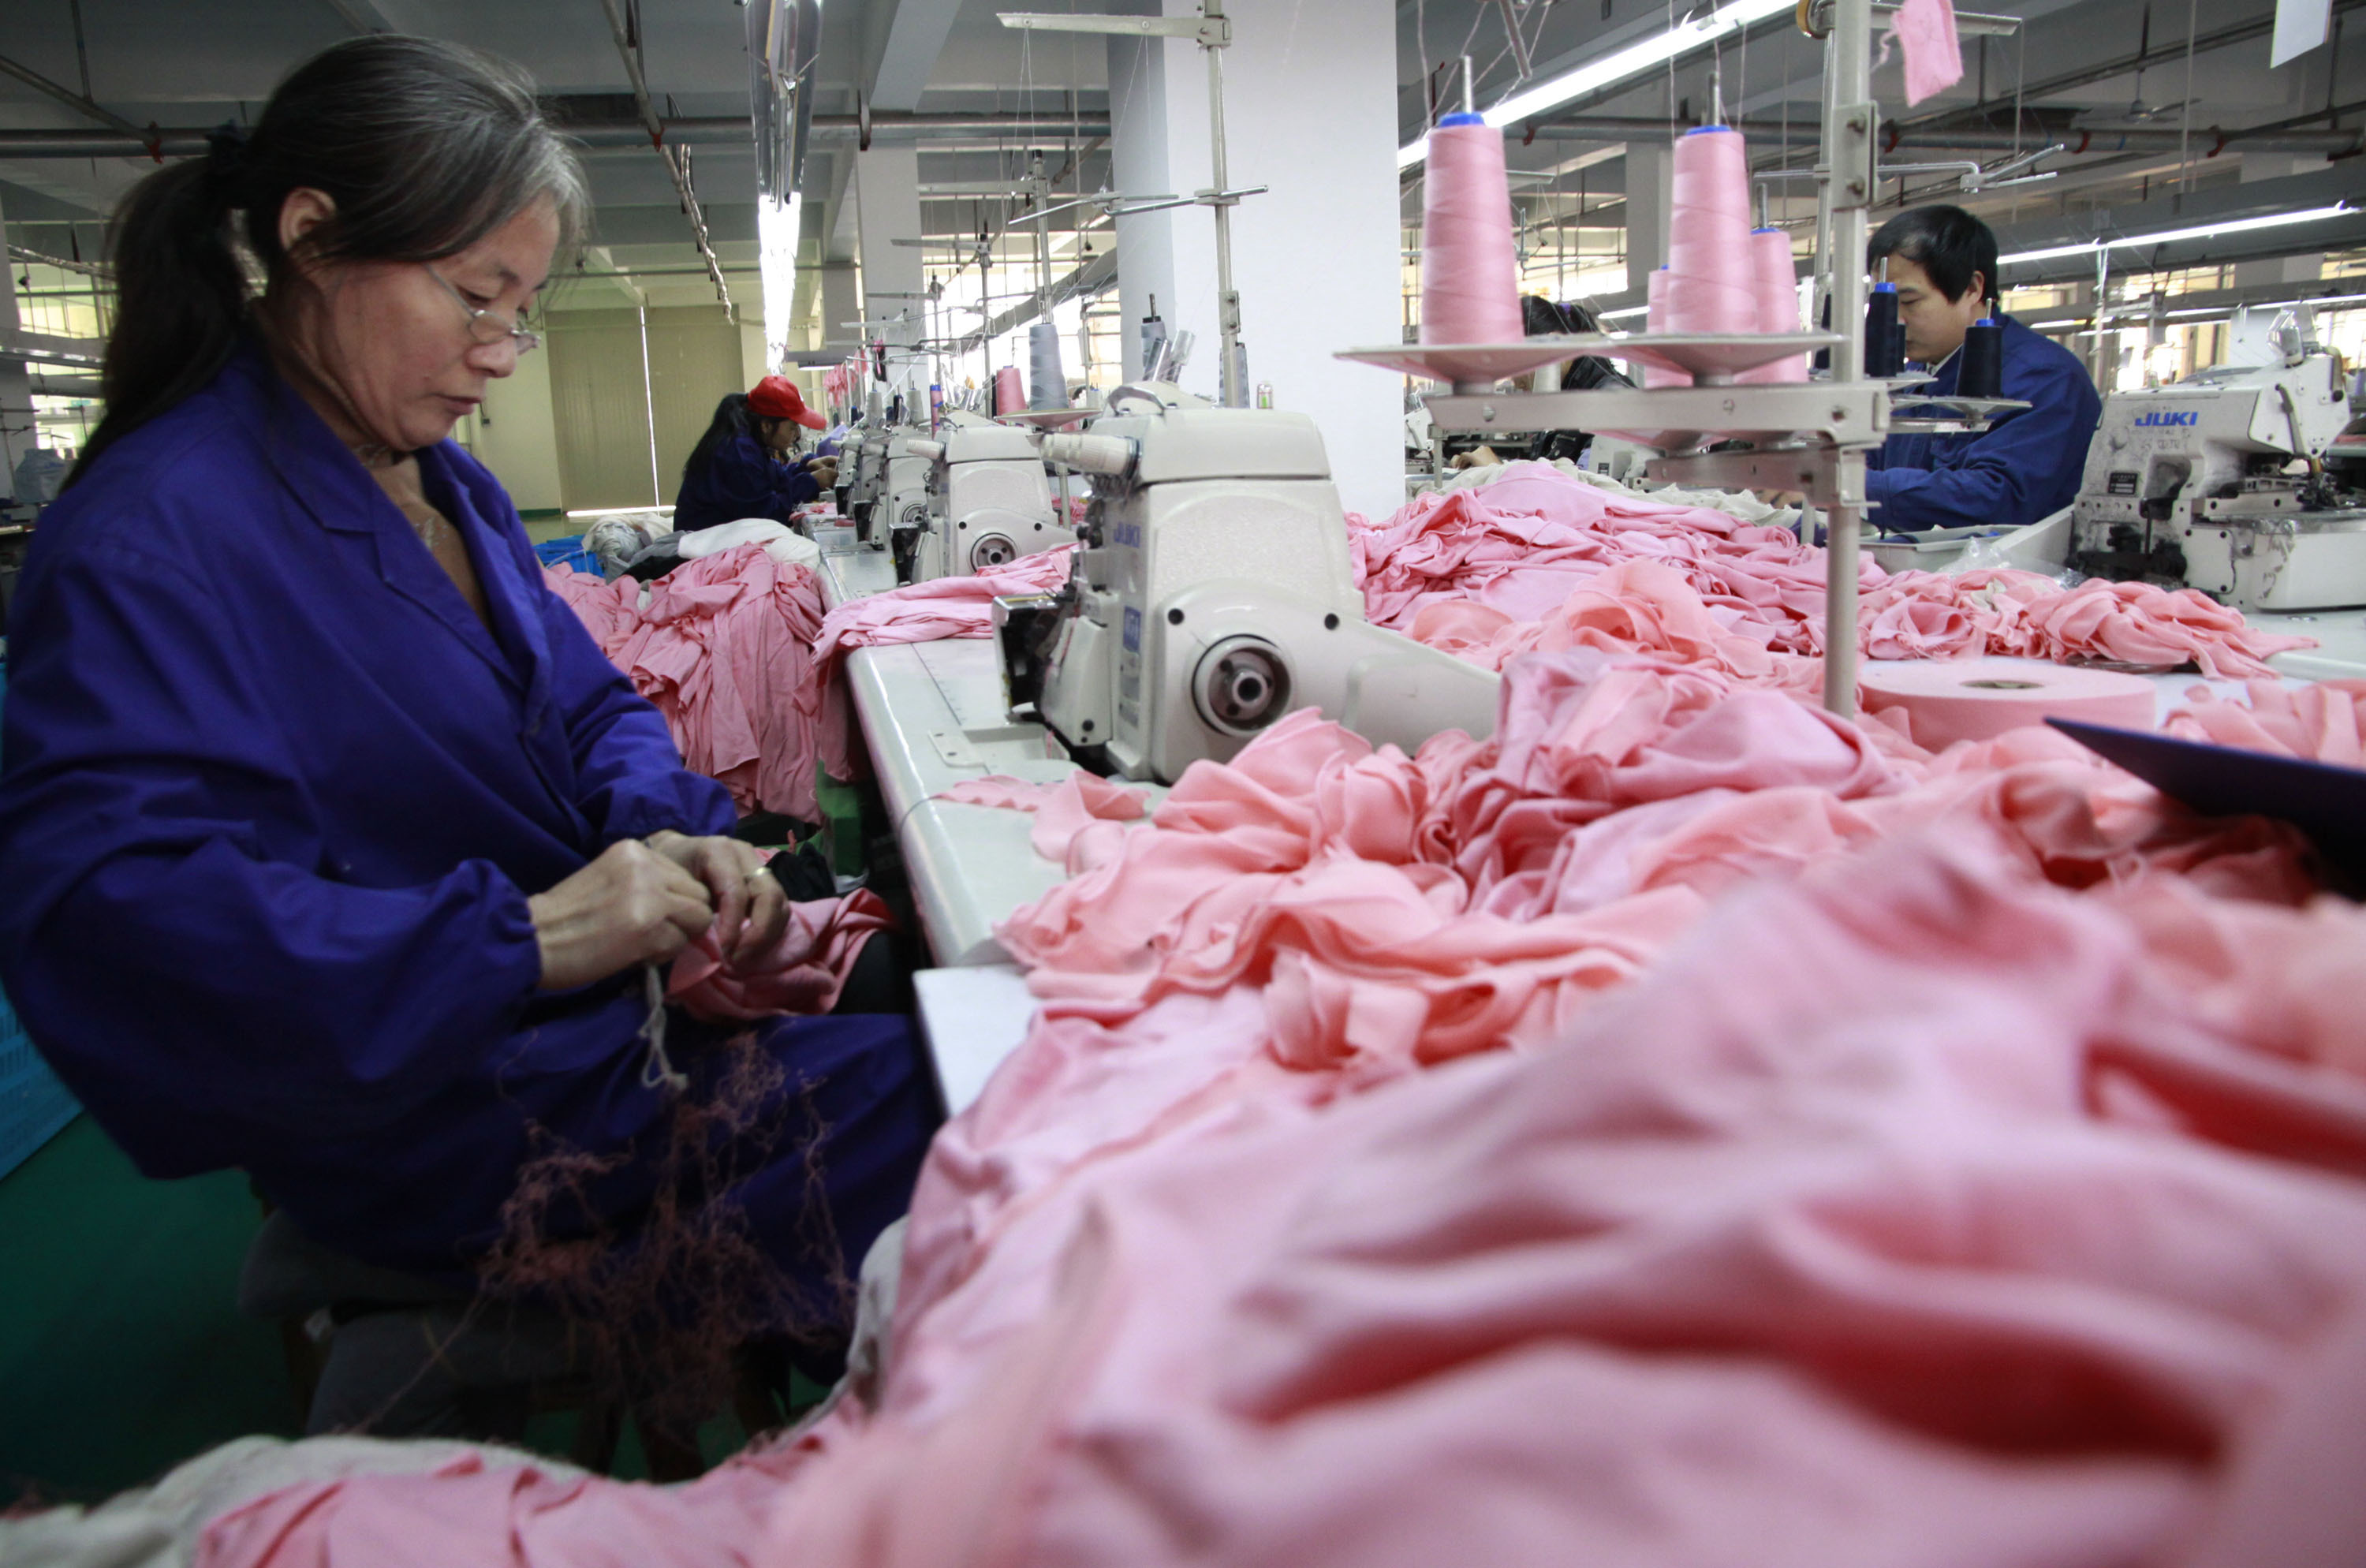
488 327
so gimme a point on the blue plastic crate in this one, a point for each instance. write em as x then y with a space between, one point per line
33 1104
567 552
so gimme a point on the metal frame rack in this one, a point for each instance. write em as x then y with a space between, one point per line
1811 437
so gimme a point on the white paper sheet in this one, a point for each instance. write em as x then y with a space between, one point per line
2300 27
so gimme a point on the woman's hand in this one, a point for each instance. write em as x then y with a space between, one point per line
751 909
825 471
631 905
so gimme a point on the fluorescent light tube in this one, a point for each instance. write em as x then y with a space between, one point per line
2166 236
1617 66
776 258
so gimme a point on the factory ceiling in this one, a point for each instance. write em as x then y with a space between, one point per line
2109 79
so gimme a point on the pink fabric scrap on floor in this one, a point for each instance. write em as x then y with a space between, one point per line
1063 812
802 973
725 649
1700 585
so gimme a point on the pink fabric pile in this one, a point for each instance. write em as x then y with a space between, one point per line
1678 1130
725 649
1540 560
1684 1128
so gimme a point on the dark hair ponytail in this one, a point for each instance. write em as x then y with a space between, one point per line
732 417
424 147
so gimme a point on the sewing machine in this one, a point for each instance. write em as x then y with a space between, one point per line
988 503
867 449
2235 481
903 505
1214 595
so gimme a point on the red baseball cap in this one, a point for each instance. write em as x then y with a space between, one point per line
776 397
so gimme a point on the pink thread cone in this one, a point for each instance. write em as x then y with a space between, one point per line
1778 304
1469 273
1712 284
1009 396
1655 319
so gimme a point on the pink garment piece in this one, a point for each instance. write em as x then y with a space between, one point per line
2322 722
724 649
1925 31
802 973
1063 811
924 611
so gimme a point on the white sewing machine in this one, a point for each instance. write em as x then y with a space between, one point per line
2220 483
903 504
867 450
1214 594
988 501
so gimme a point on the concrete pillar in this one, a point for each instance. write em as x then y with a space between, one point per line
887 201
16 430
1310 111
2283 269
841 301
1651 184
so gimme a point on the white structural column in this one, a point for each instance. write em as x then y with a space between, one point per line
887 201
903 39
841 301
1310 110
16 429
1651 179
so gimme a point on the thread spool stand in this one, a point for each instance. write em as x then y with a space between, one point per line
1211 30
1807 436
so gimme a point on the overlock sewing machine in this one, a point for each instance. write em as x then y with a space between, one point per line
1214 594
2241 480
988 503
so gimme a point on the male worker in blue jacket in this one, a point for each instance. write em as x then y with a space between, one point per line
2025 467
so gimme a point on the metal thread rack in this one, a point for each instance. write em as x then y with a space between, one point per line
1811 437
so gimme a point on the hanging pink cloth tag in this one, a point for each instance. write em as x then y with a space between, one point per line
1926 29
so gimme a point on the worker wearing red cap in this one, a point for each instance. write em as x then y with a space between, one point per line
742 467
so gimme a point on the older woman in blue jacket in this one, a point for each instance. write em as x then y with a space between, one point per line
334 849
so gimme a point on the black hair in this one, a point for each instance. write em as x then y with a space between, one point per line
733 416
424 147
1947 243
1540 317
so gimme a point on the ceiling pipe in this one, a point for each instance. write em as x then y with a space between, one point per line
82 106
2101 138
605 136
677 159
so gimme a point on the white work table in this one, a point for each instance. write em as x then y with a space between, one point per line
932 714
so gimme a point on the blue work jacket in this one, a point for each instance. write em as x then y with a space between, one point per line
2024 467
272 801
742 478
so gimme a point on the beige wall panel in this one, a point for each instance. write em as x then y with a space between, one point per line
695 360
517 437
599 406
